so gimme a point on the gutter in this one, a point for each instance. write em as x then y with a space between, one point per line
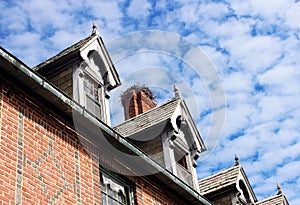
20 66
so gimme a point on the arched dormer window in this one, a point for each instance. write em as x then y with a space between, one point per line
245 191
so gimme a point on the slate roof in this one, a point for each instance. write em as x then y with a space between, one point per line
148 119
278 199
65 52
219 180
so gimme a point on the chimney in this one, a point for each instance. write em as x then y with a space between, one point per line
137 100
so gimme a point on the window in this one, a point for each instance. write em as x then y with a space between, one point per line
180 158
92 97
115 190
182 168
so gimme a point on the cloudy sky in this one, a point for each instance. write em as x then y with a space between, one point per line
236 63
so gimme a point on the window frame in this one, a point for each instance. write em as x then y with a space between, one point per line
86 76
95 97
181 158
128 187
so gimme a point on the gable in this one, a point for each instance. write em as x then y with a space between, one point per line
245 188
150 119
89 52
189 128
95 54
224 179
155 121
64 55
278 199
233 178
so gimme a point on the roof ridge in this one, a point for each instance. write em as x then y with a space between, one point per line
220 172
269 198
61 53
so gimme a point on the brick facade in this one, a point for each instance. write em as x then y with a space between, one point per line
149 192
43 162
41 159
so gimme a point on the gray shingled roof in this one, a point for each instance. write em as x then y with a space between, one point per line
219 180
148 119
278 199
65 52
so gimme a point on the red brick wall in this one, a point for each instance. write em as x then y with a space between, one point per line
135 103
43 162
144 103
148 192
132 107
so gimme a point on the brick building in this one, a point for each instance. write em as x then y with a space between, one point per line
57 145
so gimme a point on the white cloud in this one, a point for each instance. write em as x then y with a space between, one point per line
275 107
138 9
255 54
293 16
189 12
281 80
12 23
27 43
108 15
43 14
250 43
270 10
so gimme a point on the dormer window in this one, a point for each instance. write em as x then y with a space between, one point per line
85 73
91 91
182 165
177 141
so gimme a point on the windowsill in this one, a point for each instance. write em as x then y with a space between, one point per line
184 174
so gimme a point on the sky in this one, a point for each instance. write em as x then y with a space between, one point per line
235 62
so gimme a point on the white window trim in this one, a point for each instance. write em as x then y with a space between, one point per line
82 95
118 184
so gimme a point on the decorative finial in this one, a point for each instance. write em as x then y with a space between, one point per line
177 92
95 30
279 189
237 161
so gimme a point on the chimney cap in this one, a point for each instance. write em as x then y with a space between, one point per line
137 88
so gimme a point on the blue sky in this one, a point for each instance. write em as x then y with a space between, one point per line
253 46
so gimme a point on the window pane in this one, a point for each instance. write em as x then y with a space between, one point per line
121 198
111 201
91 89
114 191
93 107
104 198
111 193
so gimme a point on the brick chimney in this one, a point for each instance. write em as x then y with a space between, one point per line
137 100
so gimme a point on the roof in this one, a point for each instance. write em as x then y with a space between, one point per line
148 119
278 199
34 82
219 180
65 52
73 53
